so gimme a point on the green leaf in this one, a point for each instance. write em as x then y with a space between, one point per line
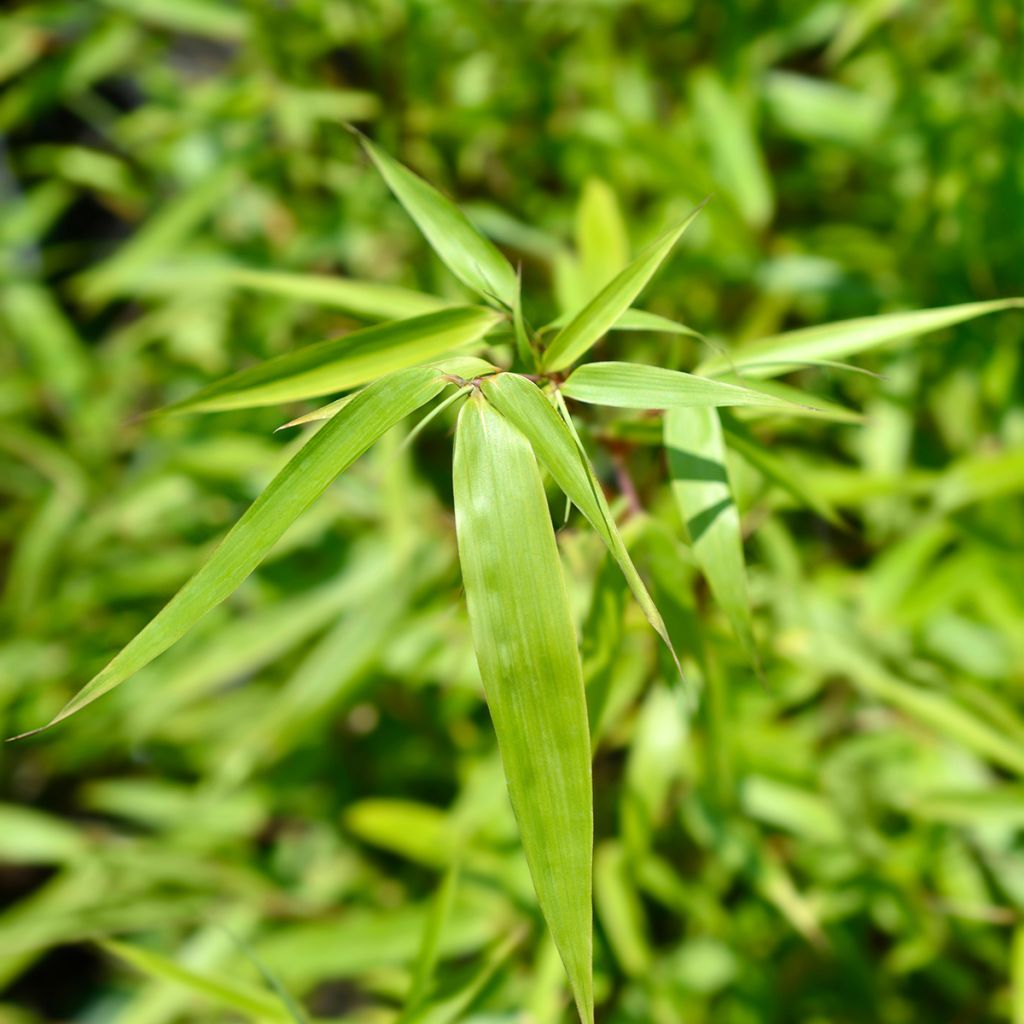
779 470
597 317
468 255
345 437
633 386
523 404
700 485
736 158
768 357
526 648
347 362
601 237
246 999
366 299
641 320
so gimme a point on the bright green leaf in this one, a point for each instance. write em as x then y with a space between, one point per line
700 485
633 386
597 317
473 259
347 362
526 648
768 357
345 437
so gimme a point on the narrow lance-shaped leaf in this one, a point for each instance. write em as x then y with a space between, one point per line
345 437
700 485
778 470
598 316
456 366
601 237
240 997
526 648
346 362
473 259
520 401
633 386
768 357
369 300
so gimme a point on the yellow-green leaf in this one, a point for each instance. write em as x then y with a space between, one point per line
633 386
345 437
368 300
526 648
597 317
473 259
769 357
700 484
521 402
347 362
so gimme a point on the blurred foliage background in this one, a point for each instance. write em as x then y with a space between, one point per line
281 795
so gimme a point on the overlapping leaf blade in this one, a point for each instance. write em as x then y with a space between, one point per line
597 317
526 648
346 362
633 386
345 437
473 259
522 403
768 357
700 485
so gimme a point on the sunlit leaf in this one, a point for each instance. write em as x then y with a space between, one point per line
768 356
367 299
601 236
595 319
468 255
345 437
345 362
634 386
523 404
700 484
526 648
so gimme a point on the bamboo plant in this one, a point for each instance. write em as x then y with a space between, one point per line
524 394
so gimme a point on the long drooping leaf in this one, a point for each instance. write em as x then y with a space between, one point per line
612 301
473 259
700 485
366 299
526 648
372 412
346 362
522 403
767 357
632 386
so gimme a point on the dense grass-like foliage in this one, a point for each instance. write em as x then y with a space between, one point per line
299 811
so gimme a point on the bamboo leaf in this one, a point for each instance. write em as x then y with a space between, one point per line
779 353
372 412
246 999
341 363
601 237
523 404
366 299
597 317
633 386
473 259
700 485
779 470
526 648
641 320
